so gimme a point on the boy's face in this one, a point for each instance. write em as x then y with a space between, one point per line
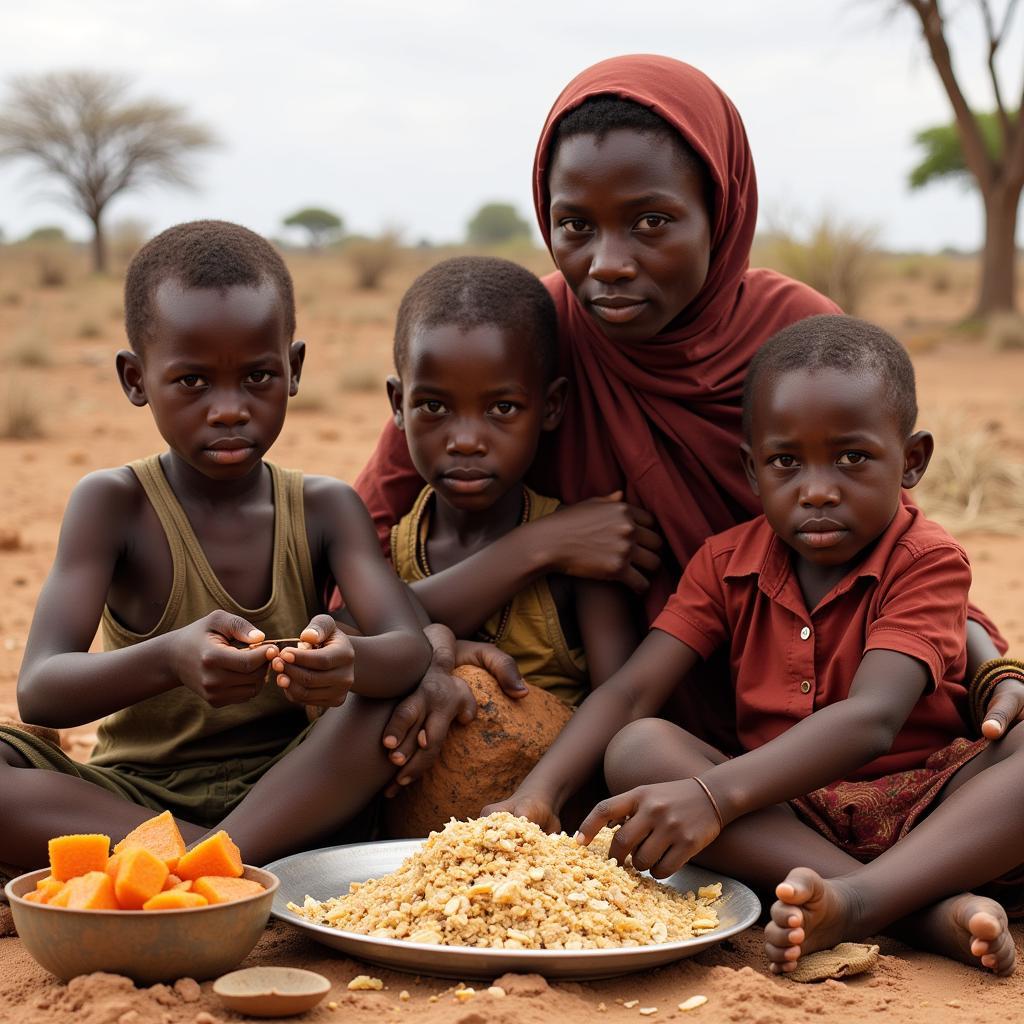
828 459
216 372
473 405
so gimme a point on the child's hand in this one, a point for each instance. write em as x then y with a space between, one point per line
663 825
208 663
604 539
527 805
320 671
1004 710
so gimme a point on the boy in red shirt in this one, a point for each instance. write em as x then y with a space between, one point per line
844 614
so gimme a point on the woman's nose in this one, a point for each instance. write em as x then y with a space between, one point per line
611 259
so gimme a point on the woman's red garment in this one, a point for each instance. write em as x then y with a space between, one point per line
660 419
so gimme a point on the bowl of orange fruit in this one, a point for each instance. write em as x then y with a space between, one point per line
148 909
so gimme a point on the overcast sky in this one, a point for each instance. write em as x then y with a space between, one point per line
411 114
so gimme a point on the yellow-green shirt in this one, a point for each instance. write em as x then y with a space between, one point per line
179 727
528 628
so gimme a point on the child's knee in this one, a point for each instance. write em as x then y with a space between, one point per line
626 752
10 758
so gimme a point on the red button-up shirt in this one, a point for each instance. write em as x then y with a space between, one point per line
909 594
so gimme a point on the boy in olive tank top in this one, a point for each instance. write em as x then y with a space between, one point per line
190 558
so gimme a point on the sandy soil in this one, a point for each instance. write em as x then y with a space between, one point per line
87 424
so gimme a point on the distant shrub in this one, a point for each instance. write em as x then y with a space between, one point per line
51 269
90 329
361 377
836 258
1005 332
29 349
21 418
372 258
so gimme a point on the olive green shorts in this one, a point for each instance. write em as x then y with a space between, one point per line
200 793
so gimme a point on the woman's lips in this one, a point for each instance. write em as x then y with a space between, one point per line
621 312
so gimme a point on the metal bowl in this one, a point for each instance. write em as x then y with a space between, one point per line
146 946
326 873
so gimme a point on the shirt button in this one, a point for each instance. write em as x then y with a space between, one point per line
805 686
805 632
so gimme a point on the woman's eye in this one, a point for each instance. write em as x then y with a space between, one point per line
191 381
782 461
573 225
652 221
851 458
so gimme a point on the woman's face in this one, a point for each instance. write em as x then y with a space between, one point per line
629 229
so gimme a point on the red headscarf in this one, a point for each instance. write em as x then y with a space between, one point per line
661 418
658 419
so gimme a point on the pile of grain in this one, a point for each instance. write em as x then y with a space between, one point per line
502 882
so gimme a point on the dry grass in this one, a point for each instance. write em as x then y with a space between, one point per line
973 485
21 417
29 350
1005 332
835 257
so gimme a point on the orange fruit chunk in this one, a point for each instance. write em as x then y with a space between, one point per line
140 876
217 855
91 891
159 835
171 881
60 899
185 886
175 899
112 865
46 889
71 856
218 889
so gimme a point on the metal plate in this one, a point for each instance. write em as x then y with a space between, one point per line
326 873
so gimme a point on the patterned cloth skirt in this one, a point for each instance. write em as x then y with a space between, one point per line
866 818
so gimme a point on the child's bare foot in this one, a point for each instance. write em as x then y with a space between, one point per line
810 914
813 913
969 928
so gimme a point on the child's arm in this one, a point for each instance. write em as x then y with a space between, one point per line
607 626
600 539
637 690
676 820
392 654
61 684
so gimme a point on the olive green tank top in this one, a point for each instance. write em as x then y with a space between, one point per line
528 628
179 727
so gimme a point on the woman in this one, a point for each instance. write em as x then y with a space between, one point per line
646 196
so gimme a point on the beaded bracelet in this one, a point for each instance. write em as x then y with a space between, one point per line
988 676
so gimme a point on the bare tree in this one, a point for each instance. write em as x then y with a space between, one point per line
84 129
998 172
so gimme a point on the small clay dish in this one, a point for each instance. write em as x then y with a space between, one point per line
271 991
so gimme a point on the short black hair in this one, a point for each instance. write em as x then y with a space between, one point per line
606 113
201 254
839 343
470 291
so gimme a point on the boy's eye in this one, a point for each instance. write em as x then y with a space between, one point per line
782 461
433 406
851 459
651 222
504 408
191 381
259 376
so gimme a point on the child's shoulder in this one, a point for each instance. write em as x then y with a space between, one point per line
115 491
922 535
741 549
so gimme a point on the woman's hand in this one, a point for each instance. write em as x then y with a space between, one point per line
604 539
1005 709
533 806
663 825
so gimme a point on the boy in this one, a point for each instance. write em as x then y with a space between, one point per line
844 613
190 559
475 349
